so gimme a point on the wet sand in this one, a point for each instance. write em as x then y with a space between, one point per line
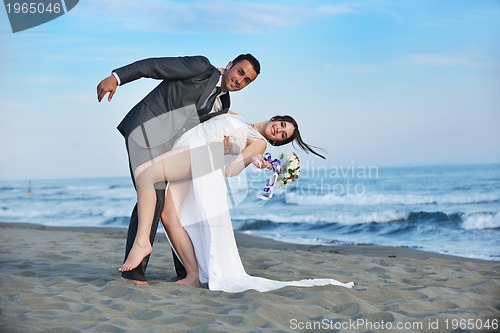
66 280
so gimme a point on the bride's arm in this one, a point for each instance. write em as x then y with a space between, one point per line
252 153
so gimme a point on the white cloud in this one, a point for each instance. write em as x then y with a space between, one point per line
339 9
442 60
461 19
192 17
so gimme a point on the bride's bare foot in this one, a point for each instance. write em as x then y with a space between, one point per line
135 256
136 282
190 281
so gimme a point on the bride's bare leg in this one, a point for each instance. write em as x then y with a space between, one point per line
172 166
176 232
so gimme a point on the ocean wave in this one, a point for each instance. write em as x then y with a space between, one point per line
86 187
361 218
438 219
7 188
117 211
27 213
387 199
332 242
301 239
482 221
120 221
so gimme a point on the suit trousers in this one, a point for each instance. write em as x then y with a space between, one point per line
139 273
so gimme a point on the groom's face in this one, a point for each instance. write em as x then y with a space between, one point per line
237 76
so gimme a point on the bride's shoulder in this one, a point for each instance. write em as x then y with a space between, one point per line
235 118
234 115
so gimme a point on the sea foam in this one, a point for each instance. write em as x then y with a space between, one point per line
482 221
390 199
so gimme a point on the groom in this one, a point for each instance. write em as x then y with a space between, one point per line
191 91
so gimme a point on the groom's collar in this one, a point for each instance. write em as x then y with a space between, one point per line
219 83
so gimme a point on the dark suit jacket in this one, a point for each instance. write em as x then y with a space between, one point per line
174 105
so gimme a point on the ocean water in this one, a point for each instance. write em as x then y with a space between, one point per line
444 209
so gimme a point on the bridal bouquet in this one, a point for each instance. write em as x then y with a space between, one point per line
286 169
290 168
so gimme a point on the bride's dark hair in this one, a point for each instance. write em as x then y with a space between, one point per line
295 137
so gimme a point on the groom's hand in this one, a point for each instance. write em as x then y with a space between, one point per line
227 145
108 85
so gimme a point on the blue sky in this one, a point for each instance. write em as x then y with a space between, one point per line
373 82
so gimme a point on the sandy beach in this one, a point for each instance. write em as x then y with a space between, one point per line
56 279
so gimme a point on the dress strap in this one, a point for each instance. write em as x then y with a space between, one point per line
237 121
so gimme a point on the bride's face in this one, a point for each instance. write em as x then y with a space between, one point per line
278 130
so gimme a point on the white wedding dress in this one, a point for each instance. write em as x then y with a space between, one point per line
205 210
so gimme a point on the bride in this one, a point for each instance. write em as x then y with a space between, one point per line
196 215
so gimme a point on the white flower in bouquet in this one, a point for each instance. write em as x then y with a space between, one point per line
286 169
290 168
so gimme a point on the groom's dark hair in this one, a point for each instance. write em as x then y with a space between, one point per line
251 59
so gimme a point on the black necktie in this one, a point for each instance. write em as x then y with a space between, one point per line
211 100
